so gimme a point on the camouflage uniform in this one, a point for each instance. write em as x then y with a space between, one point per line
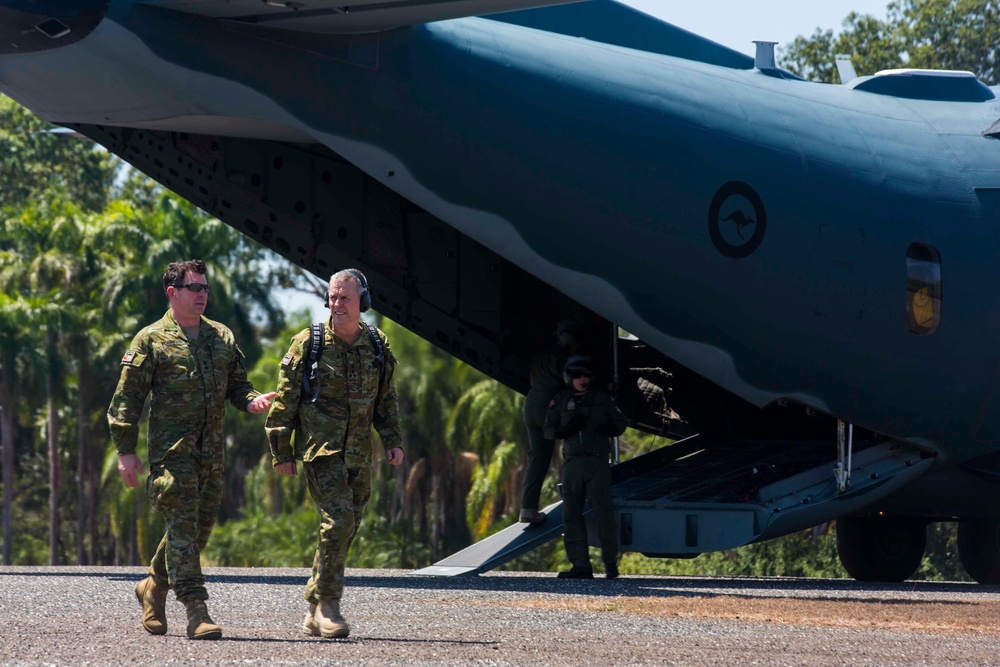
189 382
546 380
334 440
586 471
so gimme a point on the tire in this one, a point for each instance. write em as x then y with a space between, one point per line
979 549
887 549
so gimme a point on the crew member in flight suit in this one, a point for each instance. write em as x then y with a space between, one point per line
584 418
546 380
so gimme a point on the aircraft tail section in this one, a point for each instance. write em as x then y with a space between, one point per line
610 22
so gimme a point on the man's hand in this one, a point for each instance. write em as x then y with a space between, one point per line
394 456
571 428
129 466
261 403
288 468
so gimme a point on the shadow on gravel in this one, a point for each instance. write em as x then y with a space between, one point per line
118 575
637 586
353 640
397 640
627 585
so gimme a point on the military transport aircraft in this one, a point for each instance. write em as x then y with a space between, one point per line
804 269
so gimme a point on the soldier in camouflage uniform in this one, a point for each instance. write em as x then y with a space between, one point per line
333 435
584 417
190 365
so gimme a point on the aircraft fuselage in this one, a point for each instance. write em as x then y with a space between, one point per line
752 228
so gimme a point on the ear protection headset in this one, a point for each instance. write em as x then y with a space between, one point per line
365 298
577 365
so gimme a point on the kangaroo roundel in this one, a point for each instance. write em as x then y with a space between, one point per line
736 220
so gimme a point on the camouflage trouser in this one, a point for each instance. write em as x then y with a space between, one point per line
341 493
188 494
587 478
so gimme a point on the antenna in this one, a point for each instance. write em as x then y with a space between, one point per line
845 68
765 55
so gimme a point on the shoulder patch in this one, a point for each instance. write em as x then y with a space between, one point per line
133 358
287 359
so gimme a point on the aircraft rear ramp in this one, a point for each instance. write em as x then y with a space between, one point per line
501 547
701 495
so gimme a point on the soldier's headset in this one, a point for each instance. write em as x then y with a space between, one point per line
365 298
578 364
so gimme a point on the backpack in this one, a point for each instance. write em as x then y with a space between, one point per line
310 380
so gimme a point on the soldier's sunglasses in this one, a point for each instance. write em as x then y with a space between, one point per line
194 287
579 374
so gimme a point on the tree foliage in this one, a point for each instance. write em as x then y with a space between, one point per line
923 34
80 274
37 162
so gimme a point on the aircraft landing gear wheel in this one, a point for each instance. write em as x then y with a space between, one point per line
881 548
979 549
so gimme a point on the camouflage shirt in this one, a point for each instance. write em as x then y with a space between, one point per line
189 381
349 404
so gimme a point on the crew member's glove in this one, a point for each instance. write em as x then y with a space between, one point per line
572 427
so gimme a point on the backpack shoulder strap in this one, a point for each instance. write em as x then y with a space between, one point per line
379 350
310 377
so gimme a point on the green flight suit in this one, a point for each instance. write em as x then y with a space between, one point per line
591 419
188 382
334 440
545 376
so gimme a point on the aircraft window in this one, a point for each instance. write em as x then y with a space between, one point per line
923 289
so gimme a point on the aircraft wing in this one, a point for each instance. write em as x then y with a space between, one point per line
359 16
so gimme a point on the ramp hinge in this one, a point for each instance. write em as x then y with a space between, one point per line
845 448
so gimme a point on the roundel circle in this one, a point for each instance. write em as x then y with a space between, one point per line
737 220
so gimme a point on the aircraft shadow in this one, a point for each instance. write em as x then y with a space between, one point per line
626 585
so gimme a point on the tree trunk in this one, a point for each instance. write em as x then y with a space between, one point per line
7 452
53 438
83 374
94 485
53 428
85 458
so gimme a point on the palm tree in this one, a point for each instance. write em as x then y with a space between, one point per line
429 381
36 164
17 345
487 420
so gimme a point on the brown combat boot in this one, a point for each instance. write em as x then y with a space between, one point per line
309 626
153 599
329 621
200 625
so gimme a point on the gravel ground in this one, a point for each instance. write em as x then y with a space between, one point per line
89 616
